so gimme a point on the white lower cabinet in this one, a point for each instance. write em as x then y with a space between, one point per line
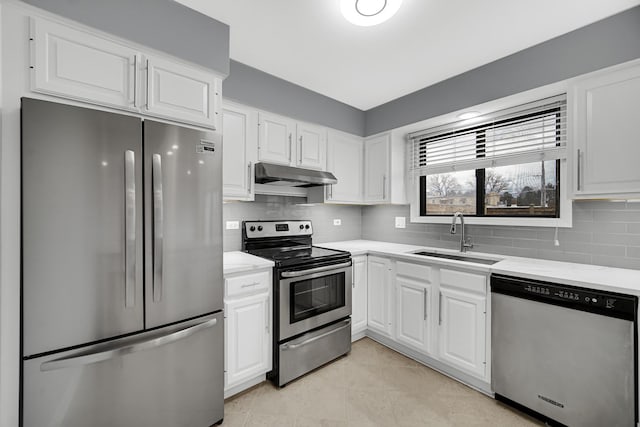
248 330
379 295
359 295
463 321
414 315
432 310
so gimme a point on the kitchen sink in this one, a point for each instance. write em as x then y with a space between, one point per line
456 257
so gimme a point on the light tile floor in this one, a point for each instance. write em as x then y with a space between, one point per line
372 386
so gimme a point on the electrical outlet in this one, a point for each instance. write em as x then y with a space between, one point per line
401 222
337 222
233 225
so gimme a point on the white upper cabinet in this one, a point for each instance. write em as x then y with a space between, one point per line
346 161
284 141
377 168
79 65
312 146
239 141
275 139
181 92
606 151
88 67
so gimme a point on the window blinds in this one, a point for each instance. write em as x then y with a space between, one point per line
528 133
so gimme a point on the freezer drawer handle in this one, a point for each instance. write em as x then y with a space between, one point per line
82 358
315 270
347 323
130 228
158 227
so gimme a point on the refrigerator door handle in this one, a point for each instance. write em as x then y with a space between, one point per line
130 228
83 358
158 227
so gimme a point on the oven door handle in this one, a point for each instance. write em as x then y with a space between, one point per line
346 324
315 270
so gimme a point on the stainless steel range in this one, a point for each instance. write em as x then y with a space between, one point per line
312 296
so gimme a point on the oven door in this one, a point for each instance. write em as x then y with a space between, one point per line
312 298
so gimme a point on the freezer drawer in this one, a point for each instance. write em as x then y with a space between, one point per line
170 377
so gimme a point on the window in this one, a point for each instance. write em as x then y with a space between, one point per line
507 165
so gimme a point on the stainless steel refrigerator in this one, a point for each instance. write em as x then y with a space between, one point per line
122 286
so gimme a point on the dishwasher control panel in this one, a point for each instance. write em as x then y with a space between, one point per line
611 304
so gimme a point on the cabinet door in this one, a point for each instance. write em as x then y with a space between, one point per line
378 301
345 161
275 139
607 111
75 64
413 317
359 295
239 144
462 330
181 92
312 146
247 339
376 169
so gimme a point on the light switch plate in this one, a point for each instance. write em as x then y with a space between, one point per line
337 222
233 225
401 222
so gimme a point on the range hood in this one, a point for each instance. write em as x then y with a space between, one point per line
269 173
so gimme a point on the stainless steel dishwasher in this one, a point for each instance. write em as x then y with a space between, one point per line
564 354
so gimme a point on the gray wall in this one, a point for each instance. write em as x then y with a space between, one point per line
603 233
256 88
277 207
160 24
607 42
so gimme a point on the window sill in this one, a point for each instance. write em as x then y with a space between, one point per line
506 221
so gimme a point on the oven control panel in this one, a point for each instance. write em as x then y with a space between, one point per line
261 229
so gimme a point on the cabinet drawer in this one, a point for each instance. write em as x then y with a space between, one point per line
247 284
468 281
420 272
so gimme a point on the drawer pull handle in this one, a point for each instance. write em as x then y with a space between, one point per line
249 285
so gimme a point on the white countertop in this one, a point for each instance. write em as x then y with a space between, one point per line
241 262
611 279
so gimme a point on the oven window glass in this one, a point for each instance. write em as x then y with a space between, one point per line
316 296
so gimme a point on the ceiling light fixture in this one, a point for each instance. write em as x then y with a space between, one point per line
468 115
366 13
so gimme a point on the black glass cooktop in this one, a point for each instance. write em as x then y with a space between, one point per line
299 255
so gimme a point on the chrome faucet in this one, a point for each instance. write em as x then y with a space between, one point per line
464 244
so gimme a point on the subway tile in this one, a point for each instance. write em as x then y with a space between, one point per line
535 243
616 239
495 241
515 232
603 205
569 235
565 256
618 262
616 216
633 252
633 228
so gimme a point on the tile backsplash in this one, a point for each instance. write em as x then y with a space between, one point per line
279 207
603 233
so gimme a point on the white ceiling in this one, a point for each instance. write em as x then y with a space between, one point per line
309 43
